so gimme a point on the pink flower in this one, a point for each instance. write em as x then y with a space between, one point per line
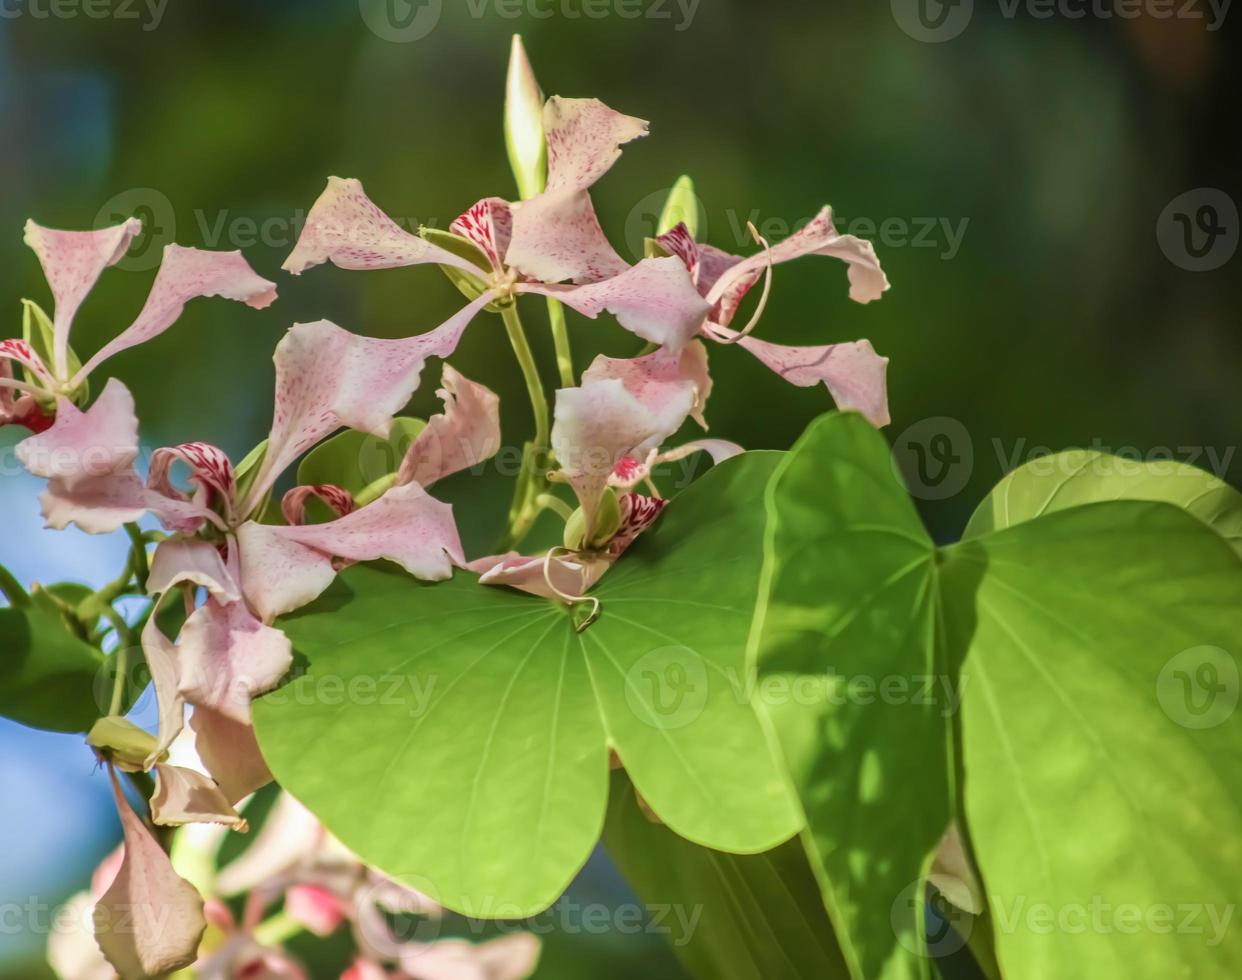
607 436
522 247
228 652
78 444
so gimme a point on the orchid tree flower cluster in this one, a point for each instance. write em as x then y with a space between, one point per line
221 562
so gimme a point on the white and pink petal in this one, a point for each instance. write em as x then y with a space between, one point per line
465 434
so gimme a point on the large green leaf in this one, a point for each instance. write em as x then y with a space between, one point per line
48 677
1103 754
471 756
851 680
1101 748
1082 476
727 916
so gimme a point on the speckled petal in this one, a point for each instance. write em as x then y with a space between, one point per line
654 299
465 434
82 446
72 263
185 274
346 228
327 377
853 373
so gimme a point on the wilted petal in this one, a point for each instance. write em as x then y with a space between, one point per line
179 560
230 752
184 796
293 503
185 274
82 445
228 657
654 299
465 434
150 920
72 262
853 373
556 235
283 568
818 237
346 228
327 378
552 578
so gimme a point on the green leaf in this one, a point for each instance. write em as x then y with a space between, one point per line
1080 476
1102 748
354 460
846 643
728 917
47 676
472 755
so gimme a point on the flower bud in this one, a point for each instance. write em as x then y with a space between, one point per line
681 207
122 742
607 523
524 139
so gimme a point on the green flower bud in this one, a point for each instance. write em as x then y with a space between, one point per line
122 742
682 206
607 523
524 139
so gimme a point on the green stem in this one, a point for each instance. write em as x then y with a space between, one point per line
532 476
560 339
138 554
530 372
12 589
547 501
375 490
125 640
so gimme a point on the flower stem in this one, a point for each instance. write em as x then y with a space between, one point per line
560 338
530 372
532 476
138 554
275 930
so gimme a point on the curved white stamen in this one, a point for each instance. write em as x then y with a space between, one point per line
21 386
571 600
735 336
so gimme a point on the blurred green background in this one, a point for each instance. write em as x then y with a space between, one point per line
1021 179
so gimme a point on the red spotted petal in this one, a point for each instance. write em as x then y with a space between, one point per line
489 224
